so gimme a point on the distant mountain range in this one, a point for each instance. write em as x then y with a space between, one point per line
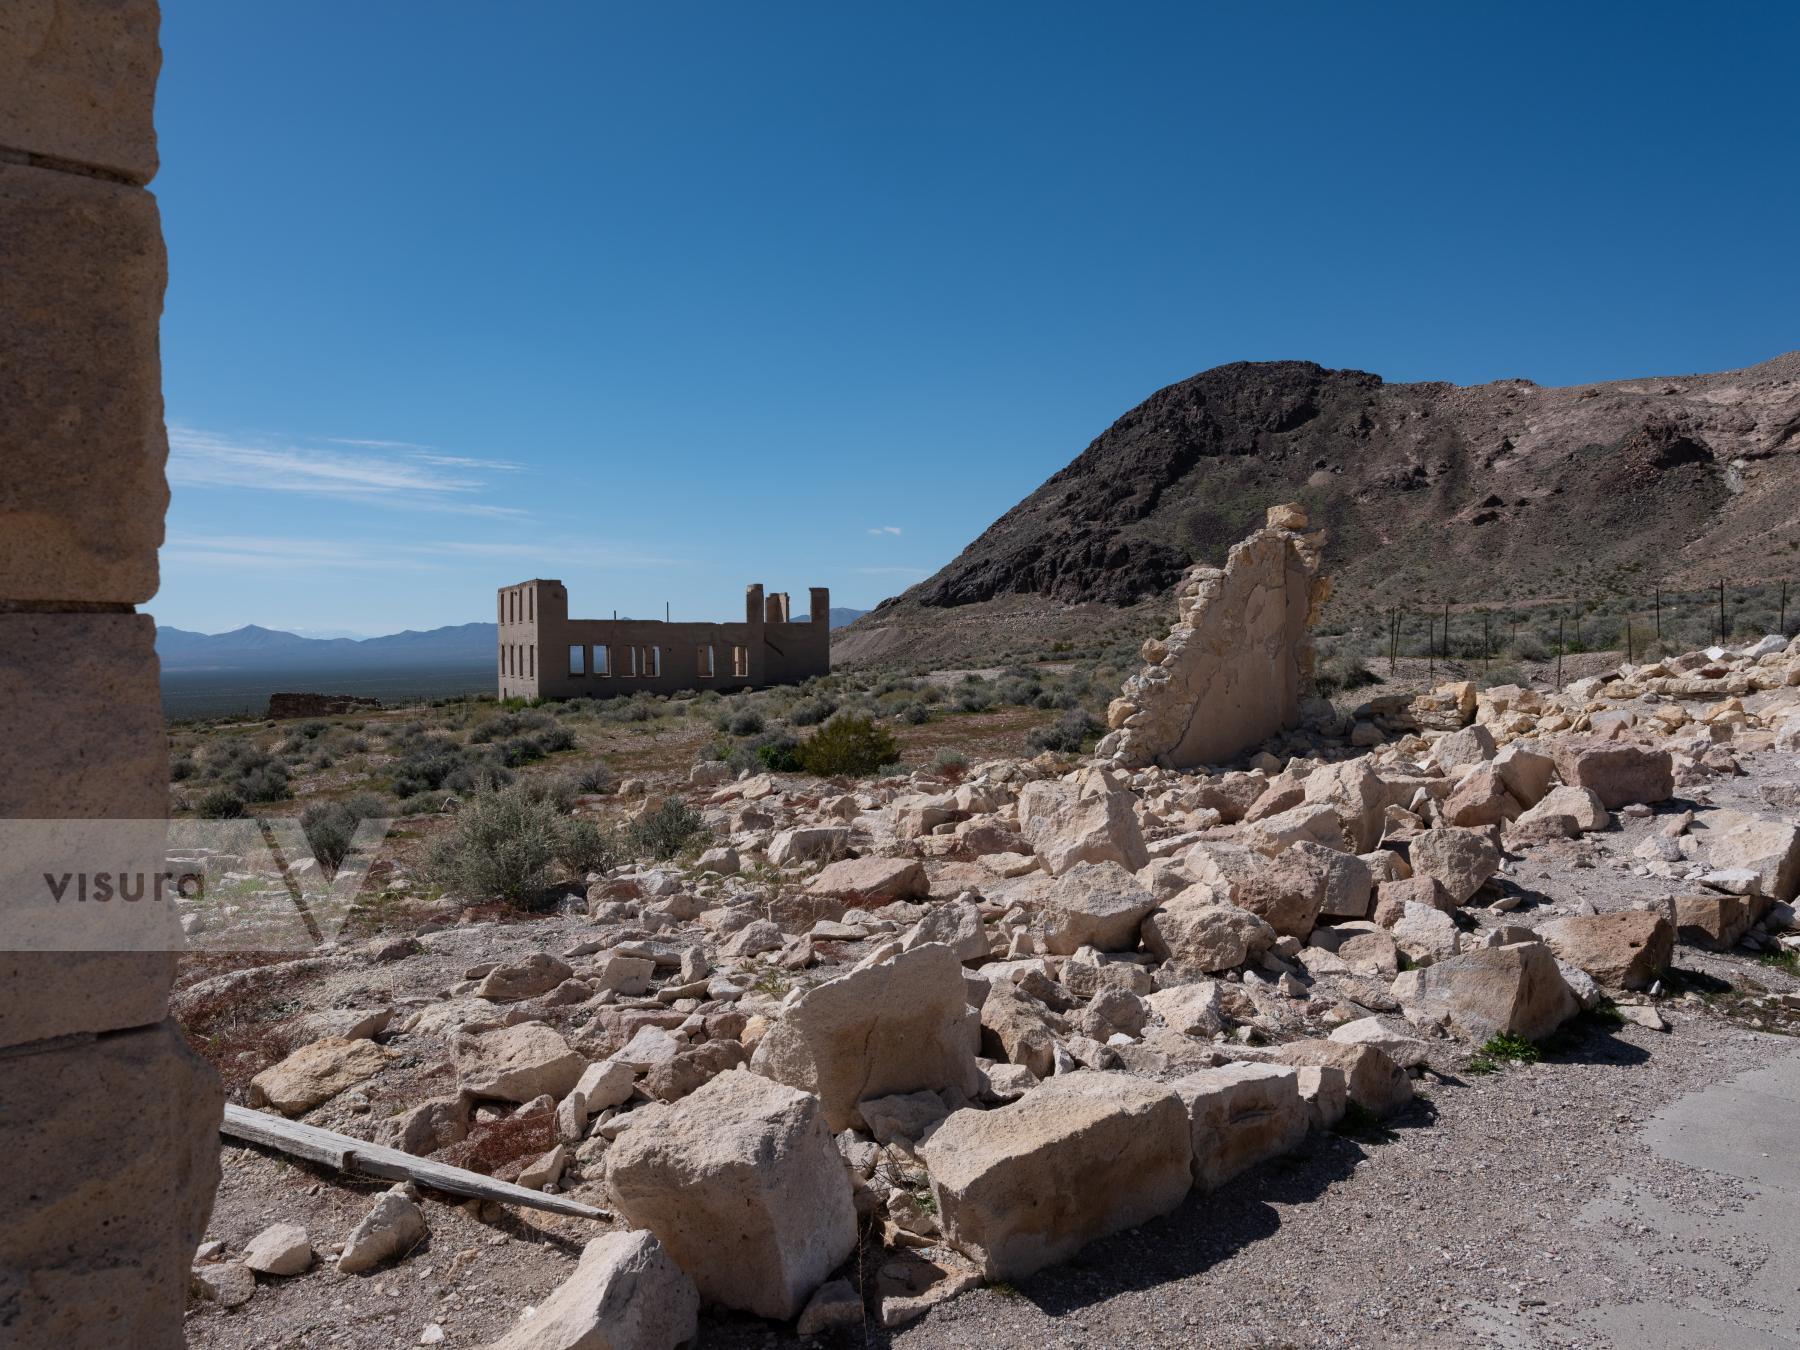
253 647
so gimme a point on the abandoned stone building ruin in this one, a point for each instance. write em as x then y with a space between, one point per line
546 654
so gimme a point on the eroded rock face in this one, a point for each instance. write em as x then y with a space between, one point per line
1770 848
1459 860
1084 1155
627 1293
1229 675
743 1185
1196 931
899 1026
1516 989
1091 821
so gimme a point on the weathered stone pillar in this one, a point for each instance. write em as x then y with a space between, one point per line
108 1121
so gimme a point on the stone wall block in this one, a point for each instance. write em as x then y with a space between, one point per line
112 1156
81 720
78 82
82 495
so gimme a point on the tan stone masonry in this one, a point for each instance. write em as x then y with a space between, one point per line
108 1121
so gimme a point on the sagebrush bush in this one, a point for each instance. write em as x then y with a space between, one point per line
582 846
1069 734
501 847
219 804
850 745
330 826
949 763
596 777
664 832
749 722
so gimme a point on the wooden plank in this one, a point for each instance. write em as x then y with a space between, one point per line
343 1153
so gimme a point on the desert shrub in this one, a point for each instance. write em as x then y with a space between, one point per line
330 825
809 712
664 832
772 752
973 699
1068 734
556 739
477 775
509 725
582 846
596 777
1343 669
501 847
848 745
949 763
558 790
219 803
519 751
421 804
265 783
749 722
182 769
915 714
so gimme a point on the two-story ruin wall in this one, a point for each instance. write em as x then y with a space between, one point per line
546 654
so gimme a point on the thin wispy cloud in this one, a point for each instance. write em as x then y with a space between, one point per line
884 529
301 554
406 481
375 445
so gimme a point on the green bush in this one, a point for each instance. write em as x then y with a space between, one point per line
219 803
582 846
849 745
501 847
330 825
949 763
1068 734
597 777
664 832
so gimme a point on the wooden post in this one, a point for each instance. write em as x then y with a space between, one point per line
1559 651
1431 648
1782 624
1630 651
1446 633
1487 640
1721 611
1659 613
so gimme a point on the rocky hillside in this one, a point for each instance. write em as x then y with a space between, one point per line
1431 492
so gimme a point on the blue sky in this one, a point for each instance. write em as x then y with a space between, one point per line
664 299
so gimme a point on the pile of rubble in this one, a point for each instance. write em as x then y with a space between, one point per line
979 1024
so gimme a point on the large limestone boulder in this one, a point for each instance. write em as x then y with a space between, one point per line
1712 921
1527 772
1020 1030
1196 931
516 1063
957 925
393 1226
876 880
316 1073
1083 1156
1356 791
1625 950
743 1185
1287 891
1092 821
1582 805
510 981
899 1026
1515 989
1459 860
1372 1080
1619 772
1770 848
1241 1114
1098 905
627 1293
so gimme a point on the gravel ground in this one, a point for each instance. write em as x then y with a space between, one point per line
1541 1205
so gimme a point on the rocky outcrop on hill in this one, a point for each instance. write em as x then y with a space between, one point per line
1426 489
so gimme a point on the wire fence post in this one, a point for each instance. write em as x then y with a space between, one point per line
1559 652
1721 611
1431 648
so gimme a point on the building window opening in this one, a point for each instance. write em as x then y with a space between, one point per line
577 660
602 660
704 664
740 663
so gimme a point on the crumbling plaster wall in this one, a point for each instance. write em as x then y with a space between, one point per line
108 1121
1233 669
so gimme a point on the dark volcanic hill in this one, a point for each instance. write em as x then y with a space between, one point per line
1430 491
